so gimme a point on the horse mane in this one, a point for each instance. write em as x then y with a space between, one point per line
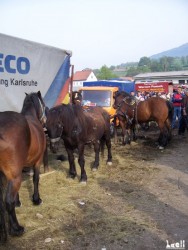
72 116
30 99
65 113
122 93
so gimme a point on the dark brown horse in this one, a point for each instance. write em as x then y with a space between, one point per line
76 98
78 128
22 143
130 112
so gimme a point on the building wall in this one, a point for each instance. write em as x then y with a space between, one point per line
177 78
78 84
91 77
175 81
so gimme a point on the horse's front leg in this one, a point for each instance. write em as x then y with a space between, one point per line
115 129
125 133
36 196
133 129
72 167
10 200
81 161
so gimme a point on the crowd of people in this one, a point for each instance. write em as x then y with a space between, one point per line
179 120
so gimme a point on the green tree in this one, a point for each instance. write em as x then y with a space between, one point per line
112 67
177 65
164 63
155 66
105 73
132 71
144 69
144 61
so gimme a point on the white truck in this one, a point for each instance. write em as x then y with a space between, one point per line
26 67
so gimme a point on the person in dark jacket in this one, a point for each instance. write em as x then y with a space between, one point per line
177 102
183 125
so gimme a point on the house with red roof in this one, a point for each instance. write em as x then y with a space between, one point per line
82 76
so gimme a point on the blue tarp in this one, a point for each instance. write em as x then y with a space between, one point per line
126 86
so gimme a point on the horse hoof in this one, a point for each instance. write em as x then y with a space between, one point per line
17 232
109 163
94 169
83 182
72 176
18 204
161 147
37 202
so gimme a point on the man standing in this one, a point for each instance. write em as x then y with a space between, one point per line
183 125
177 100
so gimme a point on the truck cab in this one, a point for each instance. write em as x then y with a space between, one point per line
99 96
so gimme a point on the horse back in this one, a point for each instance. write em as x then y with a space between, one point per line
98 122
154 108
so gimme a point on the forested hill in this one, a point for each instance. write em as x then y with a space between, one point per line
176 52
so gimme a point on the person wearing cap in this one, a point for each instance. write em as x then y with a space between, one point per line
177 103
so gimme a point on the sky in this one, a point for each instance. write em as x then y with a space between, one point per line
99 32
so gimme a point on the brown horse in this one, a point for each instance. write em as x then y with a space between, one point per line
130 112
78 128
22 143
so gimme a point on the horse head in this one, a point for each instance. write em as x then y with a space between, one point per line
76 98
119 98
54 128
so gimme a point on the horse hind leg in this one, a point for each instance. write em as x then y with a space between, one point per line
81 161
169 129
102 145
45 160
10 200
163 136
3 230
17 201
97 147
36 197
109 159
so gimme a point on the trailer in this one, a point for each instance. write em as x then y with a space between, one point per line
27 66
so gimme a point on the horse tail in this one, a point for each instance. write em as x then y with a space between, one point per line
3 231
170 110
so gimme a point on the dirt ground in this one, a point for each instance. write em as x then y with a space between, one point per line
138 203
